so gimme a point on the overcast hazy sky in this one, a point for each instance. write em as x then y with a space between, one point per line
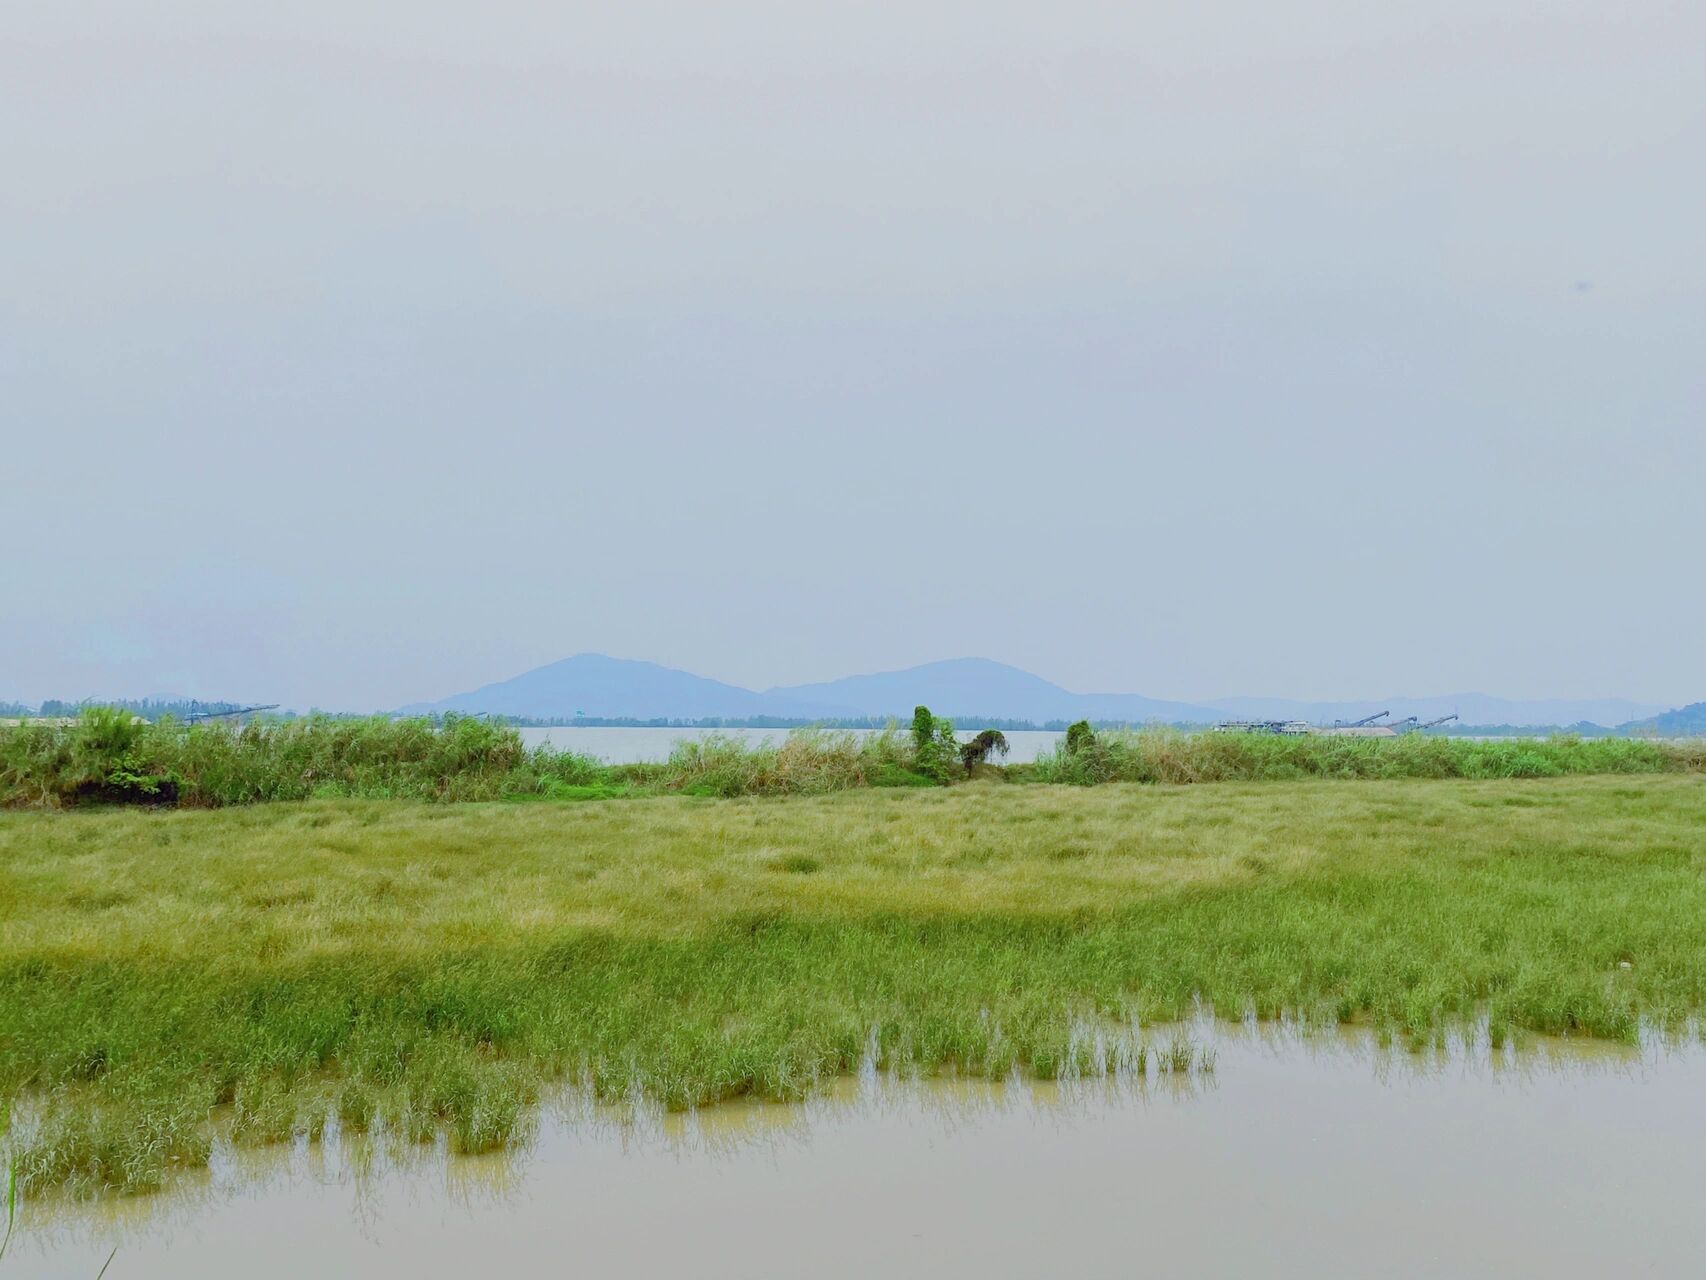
354 354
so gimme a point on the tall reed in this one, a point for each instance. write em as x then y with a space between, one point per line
1170 756
107 758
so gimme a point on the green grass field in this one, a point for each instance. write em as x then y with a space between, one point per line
429 967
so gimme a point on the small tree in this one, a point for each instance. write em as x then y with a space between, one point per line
1080 738
933 745
923 729
979 749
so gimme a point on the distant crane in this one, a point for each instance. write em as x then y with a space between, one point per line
1357 724
194 716
1406 725
1410 725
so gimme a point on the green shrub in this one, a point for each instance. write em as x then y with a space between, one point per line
935 752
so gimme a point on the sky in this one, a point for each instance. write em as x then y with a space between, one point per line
358 354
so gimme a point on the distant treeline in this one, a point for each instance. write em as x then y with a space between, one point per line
1581 729
151 709
1685 722
1007 724
1004 723
158 709
147 708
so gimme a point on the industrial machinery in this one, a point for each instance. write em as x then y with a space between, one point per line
1411 725
1264 726
1363 728
195 717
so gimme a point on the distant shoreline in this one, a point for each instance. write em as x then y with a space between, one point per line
1005 724
65 713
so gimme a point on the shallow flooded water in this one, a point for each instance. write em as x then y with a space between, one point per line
1325 1156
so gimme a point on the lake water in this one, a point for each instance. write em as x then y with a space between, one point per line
636 746
1321 1157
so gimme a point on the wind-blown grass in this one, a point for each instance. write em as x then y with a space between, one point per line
104 758
1165 755
806 762
431 968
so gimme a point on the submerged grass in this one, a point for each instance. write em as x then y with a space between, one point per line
430 969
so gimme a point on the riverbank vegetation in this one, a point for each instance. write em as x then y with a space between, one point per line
107 756
429 969
1085 758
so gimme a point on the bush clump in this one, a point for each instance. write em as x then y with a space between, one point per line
108 756
806 762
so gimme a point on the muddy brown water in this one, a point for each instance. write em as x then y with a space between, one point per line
1299 1156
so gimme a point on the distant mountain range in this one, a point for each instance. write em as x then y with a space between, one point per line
591 684
1684 722
596 686
979 687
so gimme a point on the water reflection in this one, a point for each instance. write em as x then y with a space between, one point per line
1298 1150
